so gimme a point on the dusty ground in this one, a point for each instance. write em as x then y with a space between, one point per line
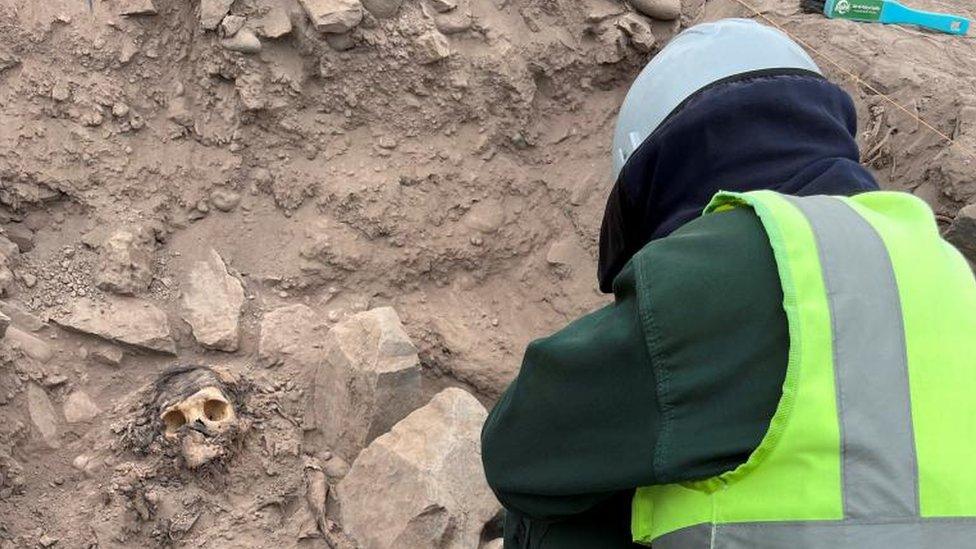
342 172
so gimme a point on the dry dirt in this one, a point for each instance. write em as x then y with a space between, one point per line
462 186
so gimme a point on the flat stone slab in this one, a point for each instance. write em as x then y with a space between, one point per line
131 321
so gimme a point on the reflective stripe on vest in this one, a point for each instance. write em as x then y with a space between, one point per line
878 466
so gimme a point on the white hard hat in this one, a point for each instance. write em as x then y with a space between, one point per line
699 56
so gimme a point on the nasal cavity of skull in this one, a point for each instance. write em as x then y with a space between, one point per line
216 410
173 419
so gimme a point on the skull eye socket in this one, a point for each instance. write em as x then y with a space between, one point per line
216 410
173 419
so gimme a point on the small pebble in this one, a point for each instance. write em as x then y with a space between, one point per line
225 200
119 110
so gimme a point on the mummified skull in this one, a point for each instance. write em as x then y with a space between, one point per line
195 412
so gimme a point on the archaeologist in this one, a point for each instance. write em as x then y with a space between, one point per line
789 357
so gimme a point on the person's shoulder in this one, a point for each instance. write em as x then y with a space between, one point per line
718 267
725 240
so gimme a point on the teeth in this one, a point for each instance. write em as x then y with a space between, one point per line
194 420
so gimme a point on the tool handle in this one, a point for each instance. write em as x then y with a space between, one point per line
896 13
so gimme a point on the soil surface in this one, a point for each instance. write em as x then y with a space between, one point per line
449 160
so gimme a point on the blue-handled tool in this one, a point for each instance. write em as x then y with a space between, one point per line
886 11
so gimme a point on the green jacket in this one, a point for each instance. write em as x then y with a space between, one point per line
697 314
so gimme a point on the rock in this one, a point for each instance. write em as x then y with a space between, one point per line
638 30
108 354
243 41
54 379
231 24
275 22
125 262
291 336
613 45
4 324
433 459
86 464
42 414
61 91
494 544
137 7
485 216
336 468
20 317
566 252
382 9
455 20
336 16
225 200
120 109
9 251
125 320
211 304
212 12
22 236
962 232
78 408
31 346
29 279
432 46
666 10
441 6
80 462
369 380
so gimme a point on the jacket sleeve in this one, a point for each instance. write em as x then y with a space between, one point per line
579 423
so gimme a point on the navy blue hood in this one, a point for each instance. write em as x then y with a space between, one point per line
792 132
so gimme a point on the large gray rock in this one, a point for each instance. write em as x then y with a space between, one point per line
336 16
962 232
370 380
125 262
42 414
422 484
4 324
211 304
125 320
